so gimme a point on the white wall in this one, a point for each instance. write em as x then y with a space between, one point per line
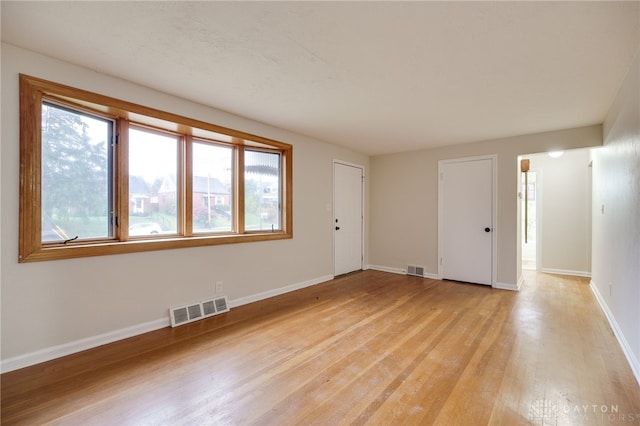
53 307
564 197
616 232
404 199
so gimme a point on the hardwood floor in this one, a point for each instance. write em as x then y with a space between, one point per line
367 348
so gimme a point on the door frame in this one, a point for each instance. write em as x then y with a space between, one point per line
539 201
333 214
494 210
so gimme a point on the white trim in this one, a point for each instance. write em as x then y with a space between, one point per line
520 282
539 216
399 271
347 163
64 349
539 224
47 354
494 212
624 344
389 269
362 209
566 272
278 291
507 286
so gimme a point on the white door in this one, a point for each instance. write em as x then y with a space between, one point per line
347 218
466 220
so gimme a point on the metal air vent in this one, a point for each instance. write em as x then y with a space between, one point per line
185 314
417 271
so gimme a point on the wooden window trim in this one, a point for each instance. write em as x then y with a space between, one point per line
30 248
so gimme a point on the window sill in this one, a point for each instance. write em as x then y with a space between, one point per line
87 249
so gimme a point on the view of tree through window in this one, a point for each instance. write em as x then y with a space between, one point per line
76 198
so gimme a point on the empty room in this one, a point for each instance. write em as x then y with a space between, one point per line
331 213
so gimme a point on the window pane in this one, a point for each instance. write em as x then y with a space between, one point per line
261 190
153 183
212 188
76 199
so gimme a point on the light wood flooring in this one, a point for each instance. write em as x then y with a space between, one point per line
366 348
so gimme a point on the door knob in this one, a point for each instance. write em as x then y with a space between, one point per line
337 228
487 229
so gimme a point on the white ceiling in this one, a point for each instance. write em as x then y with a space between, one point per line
378 77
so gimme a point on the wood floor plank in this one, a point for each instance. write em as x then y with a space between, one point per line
369 348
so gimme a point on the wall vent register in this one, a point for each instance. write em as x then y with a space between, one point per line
188 313
417 271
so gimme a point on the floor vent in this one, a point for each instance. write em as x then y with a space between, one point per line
185 314
416 271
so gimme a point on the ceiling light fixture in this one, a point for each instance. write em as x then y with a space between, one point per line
555 154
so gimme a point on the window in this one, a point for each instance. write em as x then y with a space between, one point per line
212 188
153 176
103 176
76 175
262 194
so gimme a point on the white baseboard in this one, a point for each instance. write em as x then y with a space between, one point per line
387 269
58 351
507 286
502 286
520 282
278 291
566 272
398 271
624 344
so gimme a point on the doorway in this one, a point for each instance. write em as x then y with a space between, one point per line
466 218
559 211
348 217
